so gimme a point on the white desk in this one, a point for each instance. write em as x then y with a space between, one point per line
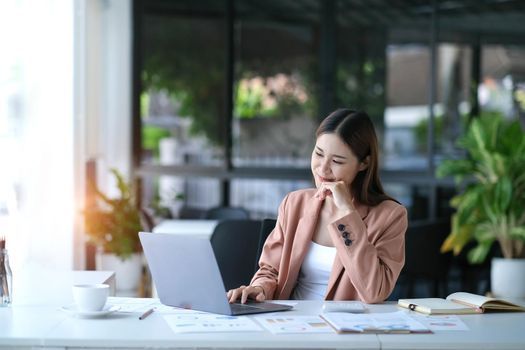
203 228
487 331
37 295
47 327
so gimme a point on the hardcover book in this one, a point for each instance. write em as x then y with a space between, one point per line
458 303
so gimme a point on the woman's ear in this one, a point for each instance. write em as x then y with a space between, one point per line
364 163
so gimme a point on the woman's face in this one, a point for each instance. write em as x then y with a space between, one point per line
333 160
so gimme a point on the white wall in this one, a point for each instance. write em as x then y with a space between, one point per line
65 87
36 44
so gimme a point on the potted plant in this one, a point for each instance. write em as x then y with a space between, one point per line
490 206
112 224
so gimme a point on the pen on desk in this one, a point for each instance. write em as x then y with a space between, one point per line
146 314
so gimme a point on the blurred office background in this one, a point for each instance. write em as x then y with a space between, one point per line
215 102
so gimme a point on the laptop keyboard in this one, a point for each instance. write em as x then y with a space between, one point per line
236 308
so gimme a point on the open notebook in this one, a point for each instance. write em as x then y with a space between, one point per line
458 303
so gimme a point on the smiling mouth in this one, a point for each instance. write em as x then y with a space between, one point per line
324 179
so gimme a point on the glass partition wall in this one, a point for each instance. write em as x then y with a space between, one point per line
228 93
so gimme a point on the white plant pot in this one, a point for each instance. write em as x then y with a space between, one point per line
508 277
127 272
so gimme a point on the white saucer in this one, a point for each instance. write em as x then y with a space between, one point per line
72 311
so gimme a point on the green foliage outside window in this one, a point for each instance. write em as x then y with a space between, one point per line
185 58
519 96
253 100
361 85
151 135
421 132
421 129
281 95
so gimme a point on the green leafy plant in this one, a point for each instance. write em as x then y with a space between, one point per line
491 204
114 223
151 136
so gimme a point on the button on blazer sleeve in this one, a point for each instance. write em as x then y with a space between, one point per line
373 261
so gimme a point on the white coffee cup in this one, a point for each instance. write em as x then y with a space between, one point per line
90 297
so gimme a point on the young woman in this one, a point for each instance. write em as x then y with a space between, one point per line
344 239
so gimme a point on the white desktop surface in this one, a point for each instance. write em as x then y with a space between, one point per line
36 322
27 326
202 228
38 293
501 330
54 329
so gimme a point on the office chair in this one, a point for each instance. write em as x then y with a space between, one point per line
191 213
235 244
425 265
267 226
222 213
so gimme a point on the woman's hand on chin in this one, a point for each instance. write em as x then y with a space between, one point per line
340 195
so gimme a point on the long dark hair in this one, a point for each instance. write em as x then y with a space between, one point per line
356 129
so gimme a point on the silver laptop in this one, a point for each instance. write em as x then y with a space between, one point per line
186 275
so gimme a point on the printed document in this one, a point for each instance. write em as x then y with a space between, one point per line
192 322
279 324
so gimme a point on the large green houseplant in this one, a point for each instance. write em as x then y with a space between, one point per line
113 223
490 205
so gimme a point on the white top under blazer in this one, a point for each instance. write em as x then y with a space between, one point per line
315 272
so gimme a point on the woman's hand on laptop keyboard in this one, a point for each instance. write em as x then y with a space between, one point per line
244 292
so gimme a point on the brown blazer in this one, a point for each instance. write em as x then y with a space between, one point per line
366 270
